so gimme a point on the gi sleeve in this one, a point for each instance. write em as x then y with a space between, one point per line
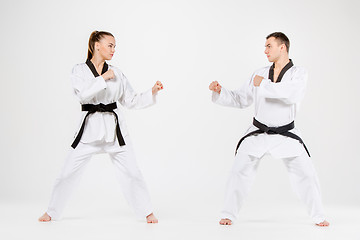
240 98
289 92
86 89
132 100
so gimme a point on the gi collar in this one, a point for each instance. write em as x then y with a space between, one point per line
93 69
283 71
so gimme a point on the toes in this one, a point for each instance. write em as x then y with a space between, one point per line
224 222
322 224
152 221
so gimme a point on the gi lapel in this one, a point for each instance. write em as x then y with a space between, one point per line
283 71
93 69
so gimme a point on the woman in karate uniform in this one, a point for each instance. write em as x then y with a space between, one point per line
100 87
276 91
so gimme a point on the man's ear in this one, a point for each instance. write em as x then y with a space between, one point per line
283 47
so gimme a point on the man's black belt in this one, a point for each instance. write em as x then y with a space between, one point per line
91 108
283 130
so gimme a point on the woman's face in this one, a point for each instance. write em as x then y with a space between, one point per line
106 47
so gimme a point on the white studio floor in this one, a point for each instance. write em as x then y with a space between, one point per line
19 221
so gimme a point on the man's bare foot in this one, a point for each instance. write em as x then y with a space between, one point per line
151 218
45 218
225 221
323 224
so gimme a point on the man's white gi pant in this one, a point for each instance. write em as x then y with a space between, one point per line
127 172
302 176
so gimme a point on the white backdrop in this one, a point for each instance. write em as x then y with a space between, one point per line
185 143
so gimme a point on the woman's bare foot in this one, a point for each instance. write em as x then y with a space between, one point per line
323 224
225 221
151 218
45 218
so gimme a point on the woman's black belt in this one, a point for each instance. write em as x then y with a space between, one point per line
283 130
91 108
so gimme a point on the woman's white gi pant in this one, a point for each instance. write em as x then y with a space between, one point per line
127 172
302 176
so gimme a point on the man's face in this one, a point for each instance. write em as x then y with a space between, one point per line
273 49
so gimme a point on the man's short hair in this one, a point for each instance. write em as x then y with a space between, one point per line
282 38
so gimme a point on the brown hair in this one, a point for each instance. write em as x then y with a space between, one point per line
282 38
95 36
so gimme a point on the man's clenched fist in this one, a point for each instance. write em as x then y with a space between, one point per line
215 86
257 80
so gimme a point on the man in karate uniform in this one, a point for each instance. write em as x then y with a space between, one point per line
277 91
